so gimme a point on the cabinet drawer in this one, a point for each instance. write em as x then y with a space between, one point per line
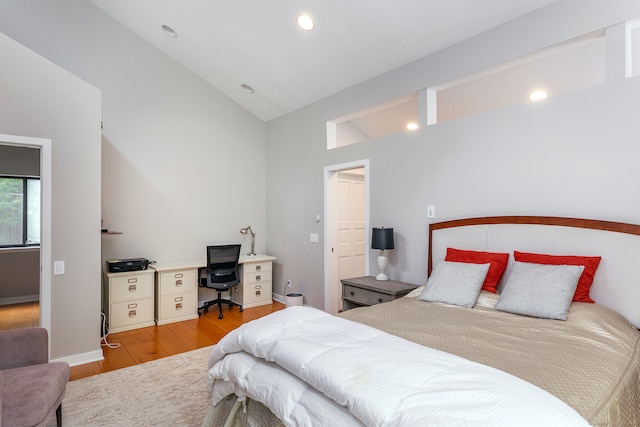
256 267
130 313
252 295
173 282
365 296
256 277
129 288
177 305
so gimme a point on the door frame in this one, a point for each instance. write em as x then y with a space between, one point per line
331 226
44 145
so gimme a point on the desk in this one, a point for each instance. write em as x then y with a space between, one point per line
177 286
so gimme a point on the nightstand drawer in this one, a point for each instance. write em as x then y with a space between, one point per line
365 296
175 282
131 287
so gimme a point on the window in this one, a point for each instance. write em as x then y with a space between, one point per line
388 118
566 67
19 211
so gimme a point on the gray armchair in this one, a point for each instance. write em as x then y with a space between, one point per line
31 388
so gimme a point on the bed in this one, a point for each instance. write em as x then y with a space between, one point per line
583 369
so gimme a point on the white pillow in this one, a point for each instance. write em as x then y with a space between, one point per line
540 290
456 283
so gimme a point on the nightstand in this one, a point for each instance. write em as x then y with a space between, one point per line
365 291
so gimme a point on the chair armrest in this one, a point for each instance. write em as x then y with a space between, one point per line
23 347
0 398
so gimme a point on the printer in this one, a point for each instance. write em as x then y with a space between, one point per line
123 265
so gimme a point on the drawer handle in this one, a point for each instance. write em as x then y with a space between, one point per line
133 288
258 293
132 313
132 305
178 276
236 289
258 267
178 299
379 299
258 286
178 283
258 277
352 294
132 280
179 306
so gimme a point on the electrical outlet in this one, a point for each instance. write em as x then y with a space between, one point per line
431 211
288 283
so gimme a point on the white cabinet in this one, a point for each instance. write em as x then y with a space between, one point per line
176 291
129 300
255 288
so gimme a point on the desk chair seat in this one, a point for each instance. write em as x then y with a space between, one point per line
222 274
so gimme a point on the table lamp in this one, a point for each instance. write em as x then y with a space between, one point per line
248 230
382 238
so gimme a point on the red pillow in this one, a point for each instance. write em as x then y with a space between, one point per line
497 264
586 279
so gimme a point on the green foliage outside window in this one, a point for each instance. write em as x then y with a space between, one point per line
19 211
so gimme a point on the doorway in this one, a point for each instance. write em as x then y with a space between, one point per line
346 225
44 146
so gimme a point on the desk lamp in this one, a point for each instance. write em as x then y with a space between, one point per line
248 230
382 238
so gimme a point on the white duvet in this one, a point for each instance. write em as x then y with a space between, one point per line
314 369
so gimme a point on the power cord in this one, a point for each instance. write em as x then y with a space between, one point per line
105 334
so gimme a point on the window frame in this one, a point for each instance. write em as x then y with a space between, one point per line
25 212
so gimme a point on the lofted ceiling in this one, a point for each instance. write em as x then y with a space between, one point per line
229 43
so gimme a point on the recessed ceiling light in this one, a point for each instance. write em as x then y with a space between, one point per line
305 22
537 95
247 88
412 126
169 31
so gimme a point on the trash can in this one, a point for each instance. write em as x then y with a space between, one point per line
293 299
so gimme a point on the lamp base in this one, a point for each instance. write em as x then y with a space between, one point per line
382 264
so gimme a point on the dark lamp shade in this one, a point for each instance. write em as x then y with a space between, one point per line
382 238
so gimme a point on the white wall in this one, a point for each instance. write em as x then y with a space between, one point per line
39 99
182 166
572 155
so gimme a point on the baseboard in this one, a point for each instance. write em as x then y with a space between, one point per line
81 359
19 300
277 297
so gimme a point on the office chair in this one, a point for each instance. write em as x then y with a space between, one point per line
222 274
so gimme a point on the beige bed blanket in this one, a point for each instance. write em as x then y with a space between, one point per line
591 361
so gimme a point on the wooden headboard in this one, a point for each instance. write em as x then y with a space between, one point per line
617 280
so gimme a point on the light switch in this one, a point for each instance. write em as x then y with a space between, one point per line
431 211
58 267
313 237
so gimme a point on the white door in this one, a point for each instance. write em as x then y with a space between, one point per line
351 225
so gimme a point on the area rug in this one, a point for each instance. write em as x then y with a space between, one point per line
166 392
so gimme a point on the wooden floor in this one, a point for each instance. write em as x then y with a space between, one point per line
23 315
154 342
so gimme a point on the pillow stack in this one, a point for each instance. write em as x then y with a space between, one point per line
539 285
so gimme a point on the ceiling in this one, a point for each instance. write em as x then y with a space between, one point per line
258 43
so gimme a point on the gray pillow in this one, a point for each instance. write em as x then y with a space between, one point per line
540 290
456 283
